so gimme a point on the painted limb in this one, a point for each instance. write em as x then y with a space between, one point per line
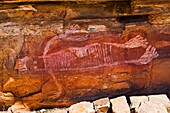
46 49
75 28
138 41
58 93
147 57
135 42
149 54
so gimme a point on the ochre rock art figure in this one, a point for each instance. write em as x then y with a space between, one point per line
87 52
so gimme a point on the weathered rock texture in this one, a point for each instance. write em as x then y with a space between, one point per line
56 53
102 105
120 105
137 104
150 104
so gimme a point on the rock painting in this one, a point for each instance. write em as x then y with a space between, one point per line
78 49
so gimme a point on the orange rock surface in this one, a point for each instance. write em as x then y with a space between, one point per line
54 55
61 85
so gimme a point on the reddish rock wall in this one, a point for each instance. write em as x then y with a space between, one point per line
53 54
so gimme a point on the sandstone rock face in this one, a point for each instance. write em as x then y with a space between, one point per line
55 111
82 107
120 105
56 53
7 99
150 104
136 100
18 107
102 105
160 99
146 107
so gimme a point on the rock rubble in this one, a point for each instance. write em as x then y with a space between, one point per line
142 104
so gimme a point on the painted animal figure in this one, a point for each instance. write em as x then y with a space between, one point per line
80 50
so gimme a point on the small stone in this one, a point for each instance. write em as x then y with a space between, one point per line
18 107
120 105
82 107
97 28
56 110
7 99
3 112
43 110
151 107
102 105
160 99
34 112
150 104
136 101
